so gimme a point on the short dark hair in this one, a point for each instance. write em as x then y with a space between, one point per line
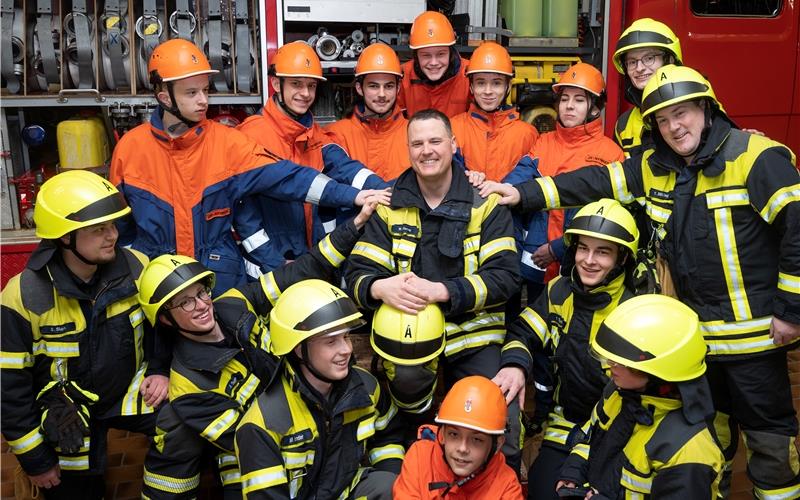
432 114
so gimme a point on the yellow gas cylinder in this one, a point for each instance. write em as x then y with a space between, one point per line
83 143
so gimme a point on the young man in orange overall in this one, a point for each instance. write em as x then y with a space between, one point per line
276 231
435 77
461 459
375 134
183 175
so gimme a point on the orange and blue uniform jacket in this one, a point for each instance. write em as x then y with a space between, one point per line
183 191
451 96
276 230
380 143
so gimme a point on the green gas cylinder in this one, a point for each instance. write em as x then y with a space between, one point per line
523 17
560 18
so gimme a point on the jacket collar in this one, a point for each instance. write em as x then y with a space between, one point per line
183 141
376 125
599 297
196 356
406 193
289 129
580 134
346 394
494 120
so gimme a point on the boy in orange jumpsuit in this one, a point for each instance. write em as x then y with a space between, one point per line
436 76
461 459
375 134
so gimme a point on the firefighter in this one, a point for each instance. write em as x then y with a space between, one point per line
644 47
602 239
435 77
375 134
461 460
647 437
439 242
221 358
78 357
307 435
723 204
577 141
491 137
183 175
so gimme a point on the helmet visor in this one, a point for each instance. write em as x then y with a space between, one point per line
101 208
332 314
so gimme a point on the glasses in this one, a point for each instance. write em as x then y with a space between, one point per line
190 303
647 61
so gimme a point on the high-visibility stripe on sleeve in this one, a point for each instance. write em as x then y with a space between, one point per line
778 200
504 244
270 287
252 270
263 479
729 254
375 254
329 252
171 484
535 323
361 177
255 240
618 183
635 482
550 192
788 283
74 463
328 226
480 290
316 189
382 421
220 424
366 428
27 442
787 493
15 360
582 450
472 244
386 452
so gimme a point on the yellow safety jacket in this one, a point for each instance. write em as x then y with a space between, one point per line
726 224
466 243
631 133
53 331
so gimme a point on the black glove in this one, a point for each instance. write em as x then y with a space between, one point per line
65 417
645 275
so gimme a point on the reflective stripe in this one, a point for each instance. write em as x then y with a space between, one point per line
130 403
227 459
778 200
316 189
657 213
27 442
472 244
328 226
252 270
257 239
220 424
730 197
385 453
262 479
474 340
735 327
270 287
403 247
229 477
246 390
618 183
556 435
171 484
550 192
294 459
470 264
747 345
541 387
482 320
778 494
361 177
366 428
15 360
631 481
61 349
582 450
375 254
788 283
535 322
382 421
506 243
480 291
329 252
730 258
74 463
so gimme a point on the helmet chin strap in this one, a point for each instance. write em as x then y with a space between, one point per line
71 246
174 108
282 104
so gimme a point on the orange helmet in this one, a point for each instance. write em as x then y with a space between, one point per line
431 29
177 59
298 59
490 57
584 76
475 403
378 58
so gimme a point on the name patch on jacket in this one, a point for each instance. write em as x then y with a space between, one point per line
57 329
297 437
405 229
220 212
657 193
